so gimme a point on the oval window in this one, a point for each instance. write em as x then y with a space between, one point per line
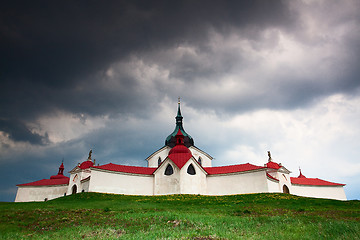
191 170
169 170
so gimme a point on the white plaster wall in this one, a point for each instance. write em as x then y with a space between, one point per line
39 193
85 186
153 159
164 184
75 179
205 160
239 183
120 183
330 192
284 179
273 186
192 184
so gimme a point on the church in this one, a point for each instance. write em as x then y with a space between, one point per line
179 167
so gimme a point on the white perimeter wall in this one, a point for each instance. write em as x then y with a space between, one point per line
239 183
331 192
120 183
273 186
39 193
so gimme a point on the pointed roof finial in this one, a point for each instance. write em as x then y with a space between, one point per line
301 175
89 158
179 100
269 154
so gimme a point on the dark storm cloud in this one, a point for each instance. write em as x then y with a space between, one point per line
50 48
17 131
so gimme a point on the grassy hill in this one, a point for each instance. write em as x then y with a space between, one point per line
250 216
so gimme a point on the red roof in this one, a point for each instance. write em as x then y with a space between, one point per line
273 165
313 181
47 182
86 164
231 169
180 154
127 169
58 176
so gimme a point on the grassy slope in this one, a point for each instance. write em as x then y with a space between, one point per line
254 216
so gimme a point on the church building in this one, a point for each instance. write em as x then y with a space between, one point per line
179 167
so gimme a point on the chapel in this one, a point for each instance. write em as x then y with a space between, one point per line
179 167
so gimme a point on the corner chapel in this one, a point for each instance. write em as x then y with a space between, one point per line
179 167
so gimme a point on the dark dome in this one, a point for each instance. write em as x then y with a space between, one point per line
171 139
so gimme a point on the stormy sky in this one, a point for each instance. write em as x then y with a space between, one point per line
253 76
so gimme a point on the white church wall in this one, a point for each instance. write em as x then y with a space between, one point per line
192 184
205 160
238 183
162 153
75 180
120 183
84 186
164 184
331 192
39 193
273 186
284 179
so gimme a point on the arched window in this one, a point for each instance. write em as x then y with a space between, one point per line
159 161
169 170
191 170
74 189
200 160
285 189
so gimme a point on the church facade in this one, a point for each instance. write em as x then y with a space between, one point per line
179 167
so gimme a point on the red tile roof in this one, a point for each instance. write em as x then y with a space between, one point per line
86 164
231 169
127 169
273 165
313 181
179 154
47 182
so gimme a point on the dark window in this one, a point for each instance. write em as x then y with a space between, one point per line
191 170
200 162
169 170
159 161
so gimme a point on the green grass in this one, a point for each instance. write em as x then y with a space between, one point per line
249 216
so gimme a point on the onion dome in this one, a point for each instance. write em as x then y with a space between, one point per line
180 154
60 173
171 139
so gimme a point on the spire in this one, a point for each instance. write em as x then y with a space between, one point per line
61 168
178 117
171 139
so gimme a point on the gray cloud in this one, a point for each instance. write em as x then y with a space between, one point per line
124 60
